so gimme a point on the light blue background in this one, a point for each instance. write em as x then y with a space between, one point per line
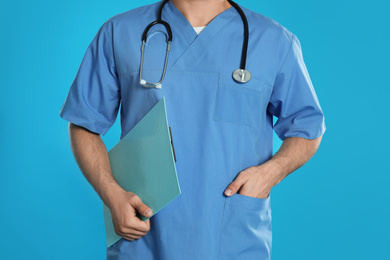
335 207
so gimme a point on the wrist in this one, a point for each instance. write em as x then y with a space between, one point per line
273 172
111 192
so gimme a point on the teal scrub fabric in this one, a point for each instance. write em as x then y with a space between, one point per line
219 127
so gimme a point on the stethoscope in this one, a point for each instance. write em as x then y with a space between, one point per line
240 75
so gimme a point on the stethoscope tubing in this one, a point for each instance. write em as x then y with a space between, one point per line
240 75
246 34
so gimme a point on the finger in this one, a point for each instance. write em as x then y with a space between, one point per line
235 185
147 222
141 207
134 224
130 237
129 232
131 225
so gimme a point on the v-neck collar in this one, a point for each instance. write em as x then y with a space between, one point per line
184 55
178 22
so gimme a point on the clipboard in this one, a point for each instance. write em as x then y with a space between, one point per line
143 162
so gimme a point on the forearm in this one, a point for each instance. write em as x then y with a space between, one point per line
293 153
257 181
92 157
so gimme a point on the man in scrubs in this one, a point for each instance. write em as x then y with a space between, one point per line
222 129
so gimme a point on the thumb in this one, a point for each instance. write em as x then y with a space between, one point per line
142 208
235 185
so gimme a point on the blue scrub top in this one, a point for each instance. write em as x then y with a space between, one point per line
219 127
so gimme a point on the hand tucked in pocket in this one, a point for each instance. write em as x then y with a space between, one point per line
255 181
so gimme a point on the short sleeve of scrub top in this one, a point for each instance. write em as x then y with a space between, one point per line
94 97
294 101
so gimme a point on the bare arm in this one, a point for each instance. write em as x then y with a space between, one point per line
92 157
257 181
293 153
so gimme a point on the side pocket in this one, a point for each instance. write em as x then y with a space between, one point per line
246 228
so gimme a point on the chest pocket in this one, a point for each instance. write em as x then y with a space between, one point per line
241 103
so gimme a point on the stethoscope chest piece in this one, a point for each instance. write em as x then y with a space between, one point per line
241 75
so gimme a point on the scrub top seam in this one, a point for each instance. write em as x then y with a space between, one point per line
88 116
320 132
109 39
189 35
288 52
207 38
88 124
